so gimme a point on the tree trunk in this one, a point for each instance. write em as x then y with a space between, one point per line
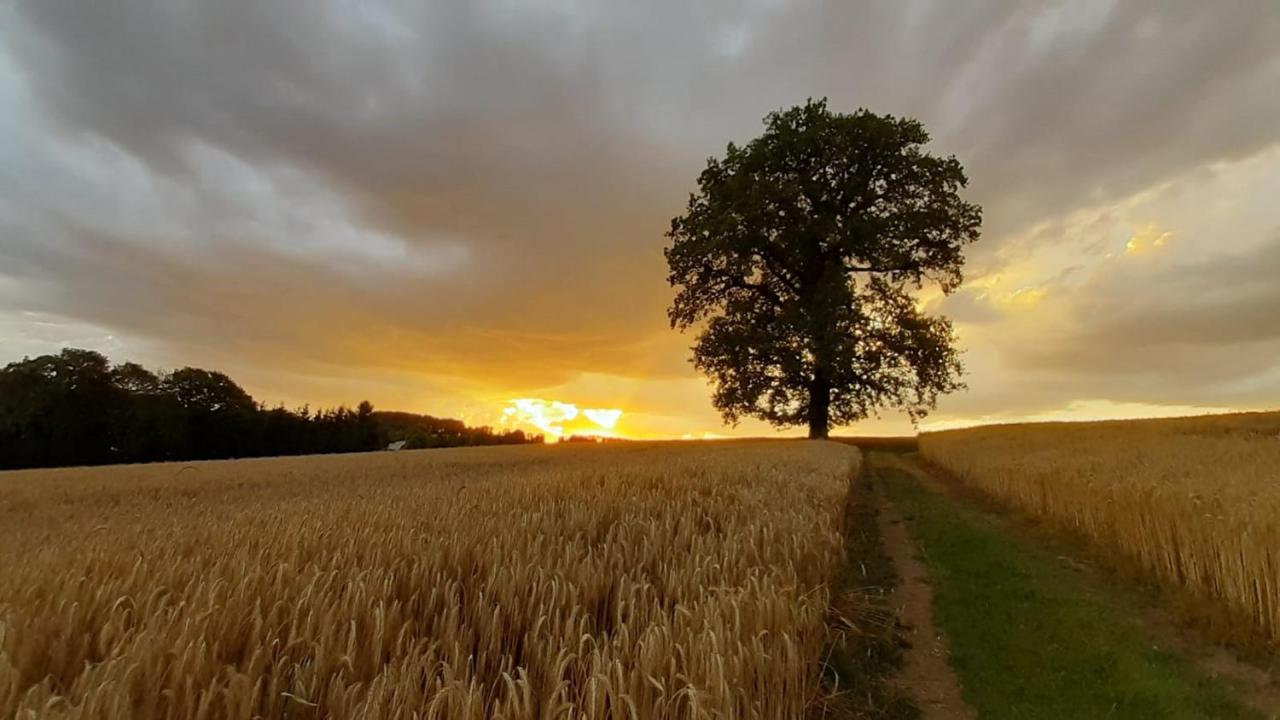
819 407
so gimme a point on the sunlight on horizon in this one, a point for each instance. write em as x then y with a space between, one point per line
1085 411
556 419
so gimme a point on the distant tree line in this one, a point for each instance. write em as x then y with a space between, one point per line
76 408
589 438
424 431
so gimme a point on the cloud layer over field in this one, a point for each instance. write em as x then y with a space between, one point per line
443 206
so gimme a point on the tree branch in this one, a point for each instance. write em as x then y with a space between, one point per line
769 256
880 269
759 289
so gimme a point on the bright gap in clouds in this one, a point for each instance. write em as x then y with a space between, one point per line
556 419
1094 410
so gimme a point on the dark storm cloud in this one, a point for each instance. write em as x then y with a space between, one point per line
502 172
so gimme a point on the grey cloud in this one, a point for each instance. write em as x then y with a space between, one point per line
1155 90
1195 332
549 144
1231 300
438 111
294 314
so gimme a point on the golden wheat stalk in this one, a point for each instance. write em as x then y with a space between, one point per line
1191 502
648 581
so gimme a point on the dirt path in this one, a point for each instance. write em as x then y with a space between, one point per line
926 672
1258 686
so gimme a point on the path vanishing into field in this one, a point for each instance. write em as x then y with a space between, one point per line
994 618
926 673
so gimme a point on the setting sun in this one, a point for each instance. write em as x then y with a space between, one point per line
556 419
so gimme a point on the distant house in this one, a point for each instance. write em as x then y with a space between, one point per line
397 445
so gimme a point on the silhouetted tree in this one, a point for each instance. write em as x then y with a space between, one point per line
798 256
219 413
207 391
133 378
74 408
149 423
58 407
365 432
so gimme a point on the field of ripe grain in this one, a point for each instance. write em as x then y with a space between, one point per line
637 581
1192 502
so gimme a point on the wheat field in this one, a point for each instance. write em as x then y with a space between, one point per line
1193 503
650 581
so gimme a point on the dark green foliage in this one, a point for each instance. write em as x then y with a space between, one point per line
54 406
424 431
798 256
75 408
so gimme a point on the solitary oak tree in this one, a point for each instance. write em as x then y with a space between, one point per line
798 258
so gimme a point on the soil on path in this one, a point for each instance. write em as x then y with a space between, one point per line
926 670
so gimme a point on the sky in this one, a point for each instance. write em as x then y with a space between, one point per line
459 208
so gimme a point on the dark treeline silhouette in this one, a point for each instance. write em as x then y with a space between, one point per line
76 408
425 431
589 438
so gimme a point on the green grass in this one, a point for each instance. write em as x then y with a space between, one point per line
1029 637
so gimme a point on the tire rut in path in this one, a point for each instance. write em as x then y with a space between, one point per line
926 670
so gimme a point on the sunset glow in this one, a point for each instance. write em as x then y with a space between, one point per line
556 419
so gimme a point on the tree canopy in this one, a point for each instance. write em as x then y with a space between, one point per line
798 258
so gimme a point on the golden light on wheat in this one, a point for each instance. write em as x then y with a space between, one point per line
646 581
1192 502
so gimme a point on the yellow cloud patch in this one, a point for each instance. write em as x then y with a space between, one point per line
1146 240
1024 297
556 419
604 418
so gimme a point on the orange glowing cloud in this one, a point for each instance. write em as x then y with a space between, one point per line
556 419
606 419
